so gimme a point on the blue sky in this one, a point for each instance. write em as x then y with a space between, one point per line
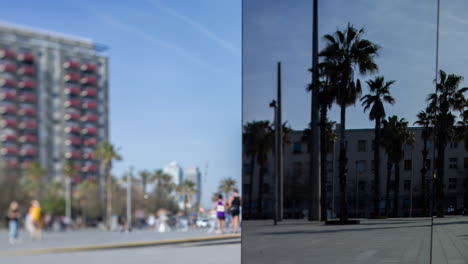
276 30
175 76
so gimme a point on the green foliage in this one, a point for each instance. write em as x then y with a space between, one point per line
54 205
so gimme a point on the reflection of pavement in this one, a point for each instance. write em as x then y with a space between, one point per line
373 241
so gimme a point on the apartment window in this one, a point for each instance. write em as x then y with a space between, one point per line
465 163
361 166
452 183
453 163
247 168
453 145
297 147
361 146
407 185
408 164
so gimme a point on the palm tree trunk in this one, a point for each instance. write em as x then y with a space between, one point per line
397 189
377 168
424 170
343 169
252 173
323 162
389 181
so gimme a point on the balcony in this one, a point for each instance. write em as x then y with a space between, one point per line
7 109
88 67
72 103
89 93
9 151
90 168
27 98
6 82
27 84
71 77
11 68
89 131
73 129
28 152
90 105
28 139
26 57
88 80
7 54
72 116
72 90
71 65
90 142
8 95
88 156
89 118
11 163
27 70
73 154
11 123
28 111
29 124
74 141
9 137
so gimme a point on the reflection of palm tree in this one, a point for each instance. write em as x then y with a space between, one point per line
106 153
424 120
187 189
227 186
447 99
347 52
379 94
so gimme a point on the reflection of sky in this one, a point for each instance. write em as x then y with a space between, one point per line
405 29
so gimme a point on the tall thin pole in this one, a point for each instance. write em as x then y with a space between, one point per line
68 197
314 212
333 183
280 146
274 105
129 198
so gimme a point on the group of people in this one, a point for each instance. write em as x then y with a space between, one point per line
33 221
232 207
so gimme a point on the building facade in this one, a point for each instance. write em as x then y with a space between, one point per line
175 171
53 101
360 177
194 175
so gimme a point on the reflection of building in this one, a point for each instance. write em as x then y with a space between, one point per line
175 171
360 177
53 100
194 175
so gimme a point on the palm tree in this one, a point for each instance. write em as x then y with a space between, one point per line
258 138
187 189
145 177
227 186
448 99
424 120
350 55
387 142
69 170
379 94
106 153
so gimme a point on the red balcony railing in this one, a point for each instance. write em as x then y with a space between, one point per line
27 98
88 80
89 131
72 90
72 116
9 151
72 103
26 57
88 67
8 95
9 137
28 152
29 124
90 142
71 65
89 118
7 82
72 129
28 139
75 141
89 92
11 68
12 163
27 70
29 111
88 156
8 109
27 84
7 54
71 77
90 105
9 123
90 168
73 155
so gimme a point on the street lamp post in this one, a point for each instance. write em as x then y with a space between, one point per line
274 105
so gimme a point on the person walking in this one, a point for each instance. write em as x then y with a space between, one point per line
35 215
221 213
13 221
234 209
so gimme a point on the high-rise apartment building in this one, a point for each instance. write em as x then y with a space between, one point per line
194 175
53 100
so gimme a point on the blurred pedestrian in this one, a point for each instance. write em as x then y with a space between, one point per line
151 221
221 213
35 220
234 209
13 221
